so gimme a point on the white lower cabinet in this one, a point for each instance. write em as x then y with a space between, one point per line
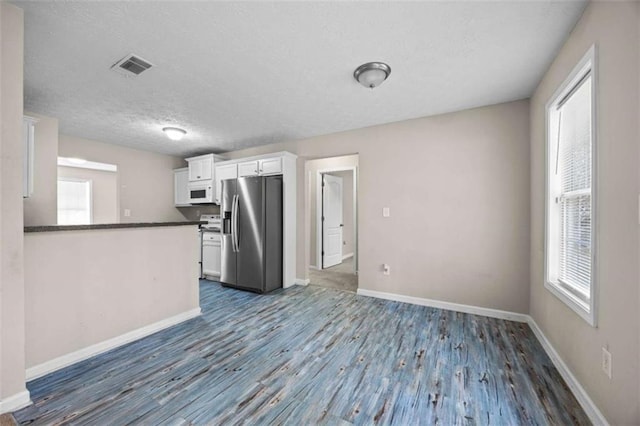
211 254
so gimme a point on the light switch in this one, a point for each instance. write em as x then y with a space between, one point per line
386 212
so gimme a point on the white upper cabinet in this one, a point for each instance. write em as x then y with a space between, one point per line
271 166
181 187
201 168
224 171
248 168
267 166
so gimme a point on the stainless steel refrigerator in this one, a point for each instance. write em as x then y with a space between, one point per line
251 210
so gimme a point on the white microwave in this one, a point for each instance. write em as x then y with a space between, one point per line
201 192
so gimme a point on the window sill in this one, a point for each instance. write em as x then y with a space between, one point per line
584 309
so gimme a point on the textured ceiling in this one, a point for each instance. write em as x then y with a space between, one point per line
238 74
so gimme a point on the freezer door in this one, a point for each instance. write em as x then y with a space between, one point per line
228 266
228 270
273 233
251 233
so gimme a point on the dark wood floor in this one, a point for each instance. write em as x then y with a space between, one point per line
314 356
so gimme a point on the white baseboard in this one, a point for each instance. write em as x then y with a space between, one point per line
15 402
314 267
595 415
346 256
468 309
587 404
98 348
300 281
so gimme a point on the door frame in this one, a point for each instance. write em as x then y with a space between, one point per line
319 237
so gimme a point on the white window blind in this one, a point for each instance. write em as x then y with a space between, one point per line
570 246
74 202
574 174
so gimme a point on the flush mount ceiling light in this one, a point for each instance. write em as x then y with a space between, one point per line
372 74
174 133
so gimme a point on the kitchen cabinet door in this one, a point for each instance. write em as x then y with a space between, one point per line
228 171
248 168
181 187
201 168
211 255
271 166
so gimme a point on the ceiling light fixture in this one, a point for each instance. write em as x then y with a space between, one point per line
372 74
174 133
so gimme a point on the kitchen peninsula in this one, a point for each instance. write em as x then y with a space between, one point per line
95 287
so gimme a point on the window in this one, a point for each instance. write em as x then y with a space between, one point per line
74 202
570 219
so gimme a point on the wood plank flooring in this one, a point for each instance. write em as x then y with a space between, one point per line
313 356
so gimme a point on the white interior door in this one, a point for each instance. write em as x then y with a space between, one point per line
332 223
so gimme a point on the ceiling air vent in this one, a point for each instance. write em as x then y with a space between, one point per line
131 65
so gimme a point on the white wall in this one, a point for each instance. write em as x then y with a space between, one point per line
458 185
613 27
146 178
12 300
104 191
105 283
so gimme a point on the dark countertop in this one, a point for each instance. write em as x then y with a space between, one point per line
53 228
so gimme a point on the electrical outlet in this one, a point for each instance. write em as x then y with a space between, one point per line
386 212
127 213
386 269
606 362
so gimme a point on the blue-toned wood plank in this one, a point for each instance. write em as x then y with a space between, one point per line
313 356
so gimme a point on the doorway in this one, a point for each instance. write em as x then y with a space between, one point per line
333 220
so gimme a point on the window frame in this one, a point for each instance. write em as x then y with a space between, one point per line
586 309
89 183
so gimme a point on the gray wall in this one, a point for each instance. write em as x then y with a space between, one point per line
613 27
104 191
458 188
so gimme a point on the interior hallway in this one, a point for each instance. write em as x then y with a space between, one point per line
340 276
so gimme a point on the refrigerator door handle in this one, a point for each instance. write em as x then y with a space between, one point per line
233 223
236 207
